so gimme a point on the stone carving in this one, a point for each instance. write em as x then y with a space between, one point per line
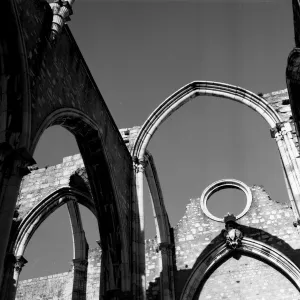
20 263
233 235
234 238
62 10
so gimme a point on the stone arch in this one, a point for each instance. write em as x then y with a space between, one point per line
38 214
42 211
170 105
23 232
250 247
113 235
192 90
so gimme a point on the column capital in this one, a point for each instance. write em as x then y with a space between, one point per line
80 264
281 129
139 165
165 247
19 160
20 263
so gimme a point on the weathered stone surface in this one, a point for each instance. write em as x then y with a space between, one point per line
267 220
247 279
41 183
59 286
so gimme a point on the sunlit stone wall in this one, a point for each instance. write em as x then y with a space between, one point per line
59 286
267 220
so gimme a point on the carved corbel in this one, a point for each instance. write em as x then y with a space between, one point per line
62 10
233 236
16 161
20 263
139 165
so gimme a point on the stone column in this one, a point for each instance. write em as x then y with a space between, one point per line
80 279
8 283
167 276
13 268
138 239
19 264
290 161
13 166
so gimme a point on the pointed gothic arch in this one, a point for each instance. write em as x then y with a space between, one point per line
280 130
250 247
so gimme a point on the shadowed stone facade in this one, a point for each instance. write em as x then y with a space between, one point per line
45 81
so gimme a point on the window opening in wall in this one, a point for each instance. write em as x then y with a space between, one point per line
229 200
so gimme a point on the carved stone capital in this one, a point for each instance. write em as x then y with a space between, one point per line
140 166
15 161
165 248
280 130
62 10
20 263
80 264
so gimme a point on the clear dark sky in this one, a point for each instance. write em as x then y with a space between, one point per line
139 54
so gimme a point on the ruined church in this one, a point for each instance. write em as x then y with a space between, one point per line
45 81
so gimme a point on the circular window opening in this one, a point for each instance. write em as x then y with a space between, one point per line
221 203
227 200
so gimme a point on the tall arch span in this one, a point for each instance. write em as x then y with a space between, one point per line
160 114
192 90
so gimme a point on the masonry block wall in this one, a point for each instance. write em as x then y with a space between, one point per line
53 287
93 274
246 278
59 286
41 183
267 220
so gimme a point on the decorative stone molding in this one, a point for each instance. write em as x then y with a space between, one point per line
16 161
80 264
248 246
190 91
62 10
234 238
223 184
20 263
139 166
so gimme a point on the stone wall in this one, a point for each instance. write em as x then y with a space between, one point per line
59 286
41 183
267 220
53 287
247 279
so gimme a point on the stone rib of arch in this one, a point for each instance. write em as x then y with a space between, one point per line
249 246
41 211
191 91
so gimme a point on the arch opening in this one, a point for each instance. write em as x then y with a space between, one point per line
95 156
256 250
235 278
